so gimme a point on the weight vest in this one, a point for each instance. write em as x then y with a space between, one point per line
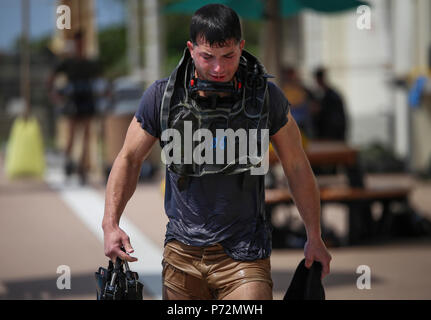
246 108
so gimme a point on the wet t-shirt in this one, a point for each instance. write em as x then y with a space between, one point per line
216 208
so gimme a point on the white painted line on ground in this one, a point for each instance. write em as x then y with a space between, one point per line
88 205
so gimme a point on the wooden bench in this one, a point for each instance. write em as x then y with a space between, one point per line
358 200
341 194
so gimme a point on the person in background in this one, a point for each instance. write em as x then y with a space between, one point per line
79 102
300 98
329 118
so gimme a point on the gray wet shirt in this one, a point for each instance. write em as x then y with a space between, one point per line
216 208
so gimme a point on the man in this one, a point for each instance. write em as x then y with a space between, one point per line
79 107
329 119
218 241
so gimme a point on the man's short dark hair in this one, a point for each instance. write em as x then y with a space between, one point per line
216 24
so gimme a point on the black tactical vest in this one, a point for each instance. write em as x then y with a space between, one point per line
247 108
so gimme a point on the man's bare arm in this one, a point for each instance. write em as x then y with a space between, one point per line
304 189
121 185
302 184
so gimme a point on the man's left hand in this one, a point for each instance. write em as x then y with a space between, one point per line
315 250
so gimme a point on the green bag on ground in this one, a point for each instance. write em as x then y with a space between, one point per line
24 153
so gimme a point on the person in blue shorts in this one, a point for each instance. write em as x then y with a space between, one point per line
218 239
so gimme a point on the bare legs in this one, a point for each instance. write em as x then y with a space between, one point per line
73 124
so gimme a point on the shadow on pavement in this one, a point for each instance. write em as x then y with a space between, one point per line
282 279
46 288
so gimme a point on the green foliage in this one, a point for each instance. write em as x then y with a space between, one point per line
112 51
252 33
37 46
176 36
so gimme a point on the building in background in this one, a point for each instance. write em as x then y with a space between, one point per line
365 63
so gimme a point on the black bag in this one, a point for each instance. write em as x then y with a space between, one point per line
115 284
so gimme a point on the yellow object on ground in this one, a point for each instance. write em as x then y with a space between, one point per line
25 152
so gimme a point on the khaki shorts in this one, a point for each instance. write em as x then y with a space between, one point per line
208 272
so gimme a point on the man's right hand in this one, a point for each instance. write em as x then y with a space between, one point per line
114 239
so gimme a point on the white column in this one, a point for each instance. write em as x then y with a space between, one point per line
153 38
272 41
133 40
25 57
423 35
421 116
403 36
88 19
312 46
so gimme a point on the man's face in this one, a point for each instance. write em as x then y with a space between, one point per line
215 63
